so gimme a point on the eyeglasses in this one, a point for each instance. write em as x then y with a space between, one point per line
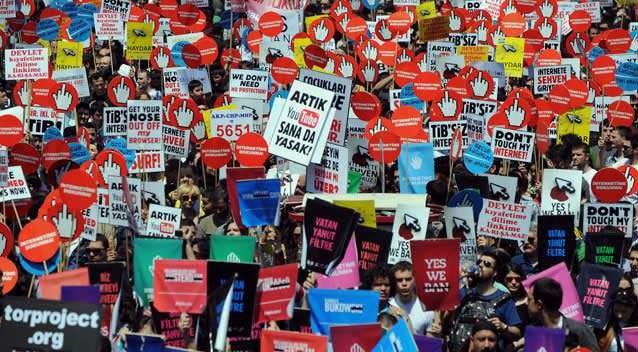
513 279
186 197
633 259
485 263
94 251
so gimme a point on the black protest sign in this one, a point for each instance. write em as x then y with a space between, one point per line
597 216
42 325
604 248
473 182
300 321
556 240
244 295
167 325
109 277
373 247
326 233
597 284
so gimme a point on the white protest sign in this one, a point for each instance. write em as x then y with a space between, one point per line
230 124
342 87
435 50
22 64
163 221
109 26
115 122
118 208
359 159
257 109
90 216
300 131
17 187
171 82
144 119
122 7
200 75
8 8
502 188
279 45
148 161
546 77
153 192
103 205
410 223
42 118
459 223
504 220
463 39
561 192
248 84
331 176
513 144
176 141
75 77
441 133
597 216
477 113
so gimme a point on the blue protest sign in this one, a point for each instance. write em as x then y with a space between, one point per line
47 29
595 53
38 269
80 29
544 339
343 307
225 19
281 93
177 51
398 338
627 76
86 12
371 4
416 167
69 9
408 97
79 153
144 343
119 144
467 198
83 294
52 133
478 157
259 201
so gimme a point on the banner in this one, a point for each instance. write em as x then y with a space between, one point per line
360 338
145 252
570 306
331 175
23 64
251 84
144 118
597 286
544 339
561 192
232 249
346 274
513 145
109 278
597 216
276 293
327 230
556 240
459 223
259 201
604 248
547 77
410 223
416 167
341 307
280 340
504 220
180 286
163 221
436 272
373 247
33 324
399 338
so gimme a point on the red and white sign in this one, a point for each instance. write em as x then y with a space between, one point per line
144 120
108 26
180 285
148 161
11 130
384 146
275 291
280 340
6 240
38 241
163 221
436 264
176 141
120 90
216 152
54 151
23 64
78 189
512 145
504 220
26 156
609 185
251 149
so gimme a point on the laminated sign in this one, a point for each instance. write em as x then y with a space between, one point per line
163 221
513 145
546 77
114 121
251 84
441 133
299 133
122 7
231 124
22 64
144 124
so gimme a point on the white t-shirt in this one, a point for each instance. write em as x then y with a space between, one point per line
420 318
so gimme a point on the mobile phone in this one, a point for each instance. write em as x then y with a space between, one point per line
179 233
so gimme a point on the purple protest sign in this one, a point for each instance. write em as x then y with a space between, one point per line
428 344
84 294
631 339
544 339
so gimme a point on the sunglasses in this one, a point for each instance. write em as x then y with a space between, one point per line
186 198
531 240
485 263
514 279
94 251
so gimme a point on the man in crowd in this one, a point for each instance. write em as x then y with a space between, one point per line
405 297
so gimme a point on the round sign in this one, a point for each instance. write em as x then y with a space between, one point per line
356 28
120 90
6 240
630 172
11 130
183 113
42 92
427 85
26 156
388 53
216 152
251 149
321 30
54 151
580 21
284 70
603 69
513 24
542 136
365 105
549 57
399 22
271 24
559 99
254 39
191 56
468 198
9 275
65 97
446 107
617 41
609 185
78 189
314 55
40 269
620 113
407 121
69 223
478 157
385 147
207 49
481 83
38 241
368 71
578 92
405 73
111 162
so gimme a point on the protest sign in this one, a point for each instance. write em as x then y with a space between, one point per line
346 274
398 338
108 276
17 187
605 248
231 124
341 307
147 161
359 159
251 84
232 249
68 55
547 77
176 141
232 176
279 340
360 337
163 221
139 40
504 220
513 145
144 119
459 223
144 342
80 293
32 324
410 223
276 292
434 28
502 188
477 113
478 158
544 339
561 192
511 54
436 272
472 54
167 324
556 240
50 285
108 25
331 175
145 252
115 122
41 118
259 201
326 233
597 216
576 122
373 247
180 285
29 63
416 167
441 133
121 7
75 77
119 209
597 286
570 306
172 86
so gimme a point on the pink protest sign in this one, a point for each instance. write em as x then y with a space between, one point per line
346 275
570 307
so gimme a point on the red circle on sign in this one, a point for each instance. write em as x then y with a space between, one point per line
207 49
617 41
580 21
460 86
216 152
578 91
314 55
183 113
42 92
251 149
382 30
399 22
9 275
549 57
447 107
254 39
547 27
271 24
620 113
427 85
65 97
38 241
365 105
603 69
384 146
481 83
513 24
559 99
388 53
109 162
11 130
321 30
120 90
609 185
232 57
161 58
356 27
54 151
405 73
284 70
7 234
78 189
407 121
191 56
26 156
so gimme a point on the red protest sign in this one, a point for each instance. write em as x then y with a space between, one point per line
321 30
69 223
542 136
481 83
9 275
578 92
180 285
161 58
405 73
365 105
620 113
603 69
6 240
436 272
356 27
272 340
271 24
42 92
559 99
609 185
349 337
384 146
11 130
65 97
207 49
446 107
580 21
26 156
427 85
284 70
388 53
183 113
111 162
216 152
55 151
120 90
314 55
631 174
407 121
458 85
191 56
38 241
78 189
254 39
368 71
275 291
399 22
251 149
549 57
513 24
617 41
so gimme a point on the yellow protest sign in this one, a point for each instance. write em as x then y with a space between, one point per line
311 19
68 55
206 116
365 208
510 54
139 40
300 45
426 10
434 28
473 54
575 122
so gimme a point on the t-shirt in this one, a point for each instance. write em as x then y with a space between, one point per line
420 318
506 311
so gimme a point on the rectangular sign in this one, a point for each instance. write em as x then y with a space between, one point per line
176 141
108 26
248 84
144 119
331 176
230 124
546 77
597 216
504 220
441 133
148 161
23 64
513 145
115 122
17 187
163 221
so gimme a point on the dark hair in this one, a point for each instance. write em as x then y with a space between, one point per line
437 190
100 237
484 324
549 292
194 84
378 272
401 266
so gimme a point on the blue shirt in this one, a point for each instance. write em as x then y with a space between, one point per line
506 311
526 265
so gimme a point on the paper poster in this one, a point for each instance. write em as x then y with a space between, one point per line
570 306
504 220
459 224
436 272
597 216
410 223
556 240
346 275
163 221
331 175
561 191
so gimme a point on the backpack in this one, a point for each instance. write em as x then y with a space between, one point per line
471 310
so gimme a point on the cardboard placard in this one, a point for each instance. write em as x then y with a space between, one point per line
596 216
504 220
251 84
331 175
410 223
604 248
546 77
144 119
163 221
23 64
17 187
373 247
436 272
561 191
275 293
115 122
441 133
176 141
108 25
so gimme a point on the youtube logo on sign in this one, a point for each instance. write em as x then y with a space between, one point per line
308 118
